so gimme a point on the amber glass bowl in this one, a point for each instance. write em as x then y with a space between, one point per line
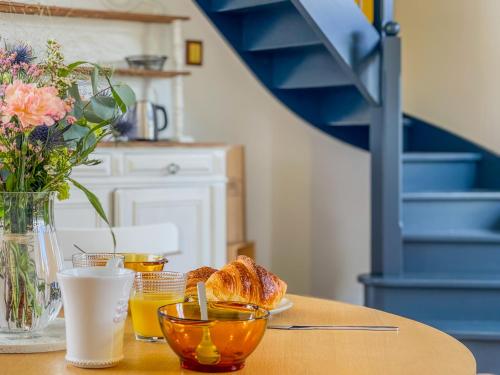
144 262
235 329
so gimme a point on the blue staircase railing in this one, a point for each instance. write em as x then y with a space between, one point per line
386 147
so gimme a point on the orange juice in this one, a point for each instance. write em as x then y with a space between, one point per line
144 309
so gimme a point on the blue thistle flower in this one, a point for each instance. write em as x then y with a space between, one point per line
40 134
51 137
24 53
123 126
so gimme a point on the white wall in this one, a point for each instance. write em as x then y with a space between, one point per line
308 194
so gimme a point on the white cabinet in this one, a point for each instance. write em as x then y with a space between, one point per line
77 212
146 185
188 207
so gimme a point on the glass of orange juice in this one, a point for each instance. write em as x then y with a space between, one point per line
152 290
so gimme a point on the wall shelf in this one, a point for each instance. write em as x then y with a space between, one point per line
56 11
151 73
140 72
176 74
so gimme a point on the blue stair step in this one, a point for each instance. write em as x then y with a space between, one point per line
432 298
348 133
458 253
311 67
344 106
439 171
269 30
439 211
242 5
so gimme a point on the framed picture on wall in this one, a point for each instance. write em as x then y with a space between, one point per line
194 52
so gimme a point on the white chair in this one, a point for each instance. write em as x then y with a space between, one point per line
151 239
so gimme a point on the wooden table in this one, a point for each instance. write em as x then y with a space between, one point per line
417 349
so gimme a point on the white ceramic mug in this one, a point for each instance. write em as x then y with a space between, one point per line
95 308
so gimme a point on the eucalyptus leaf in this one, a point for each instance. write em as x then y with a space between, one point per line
116 96
119 101
75 93
90 116
78 110
94 136
103 107
75 132
126 94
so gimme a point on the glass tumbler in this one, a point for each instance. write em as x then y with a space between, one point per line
96 259
152 290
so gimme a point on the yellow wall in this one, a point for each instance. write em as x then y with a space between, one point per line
367 8
451 55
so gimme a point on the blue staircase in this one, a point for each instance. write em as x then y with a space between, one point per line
294 48
450 263
435 196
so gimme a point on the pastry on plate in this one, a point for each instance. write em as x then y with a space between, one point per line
194 277
241 281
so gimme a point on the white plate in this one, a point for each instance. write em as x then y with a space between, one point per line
284 305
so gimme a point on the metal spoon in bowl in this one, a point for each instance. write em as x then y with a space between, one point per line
206 352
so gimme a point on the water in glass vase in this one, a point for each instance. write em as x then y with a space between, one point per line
29 261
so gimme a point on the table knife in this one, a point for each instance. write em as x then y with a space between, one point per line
334 328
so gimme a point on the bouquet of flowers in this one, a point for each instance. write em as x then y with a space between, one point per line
46 129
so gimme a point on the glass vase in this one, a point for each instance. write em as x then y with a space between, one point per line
30 297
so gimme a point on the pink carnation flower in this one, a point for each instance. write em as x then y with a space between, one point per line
70 120
32 105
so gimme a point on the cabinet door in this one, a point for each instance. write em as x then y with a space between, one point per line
186 207
77 212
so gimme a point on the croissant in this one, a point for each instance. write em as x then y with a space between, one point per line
244 281
195 276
